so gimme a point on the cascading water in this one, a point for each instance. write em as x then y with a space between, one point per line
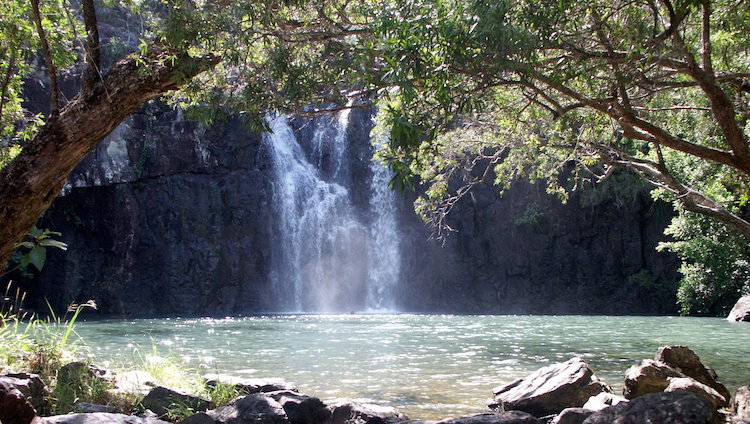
334 256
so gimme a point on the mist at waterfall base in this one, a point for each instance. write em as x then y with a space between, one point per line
427 366
335 255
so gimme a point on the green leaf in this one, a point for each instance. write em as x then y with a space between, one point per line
37 256
53 243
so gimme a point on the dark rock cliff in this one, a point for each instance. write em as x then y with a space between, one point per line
171 217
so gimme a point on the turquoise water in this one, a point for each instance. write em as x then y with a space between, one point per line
427 366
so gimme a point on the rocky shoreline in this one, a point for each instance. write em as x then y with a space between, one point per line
673 388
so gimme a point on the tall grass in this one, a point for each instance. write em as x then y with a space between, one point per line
42 345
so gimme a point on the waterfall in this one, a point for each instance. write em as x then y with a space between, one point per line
333 255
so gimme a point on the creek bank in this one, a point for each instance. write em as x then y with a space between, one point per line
661 391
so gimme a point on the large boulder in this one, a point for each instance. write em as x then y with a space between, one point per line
658 408
161 400
648 376
100 418
359 413
283 407
551 389
684 360
690 385
741 310
14 408
509 417
741 402
33 389
249 386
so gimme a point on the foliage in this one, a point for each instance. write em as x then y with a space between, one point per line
33 251
715 264
543 84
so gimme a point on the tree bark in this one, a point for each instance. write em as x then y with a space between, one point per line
54 99
92 70
35 177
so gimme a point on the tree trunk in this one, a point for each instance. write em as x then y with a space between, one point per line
35 177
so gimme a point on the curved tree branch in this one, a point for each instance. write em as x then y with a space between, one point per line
33 179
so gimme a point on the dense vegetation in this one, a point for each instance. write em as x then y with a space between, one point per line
529 87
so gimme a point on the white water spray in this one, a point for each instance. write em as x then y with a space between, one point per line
334 257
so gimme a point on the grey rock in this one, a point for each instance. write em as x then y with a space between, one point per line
508 417
199 418
32 387
603 400
684 360
551 389
359 413
301 409
14 408
99 418
658 408
86 407
741 310
249 386
741 402
648 376
257 408
693 386
74 372
162 399
572 416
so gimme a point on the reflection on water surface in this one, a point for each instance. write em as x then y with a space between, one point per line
428 366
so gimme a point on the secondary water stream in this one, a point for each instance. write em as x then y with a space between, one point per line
428 366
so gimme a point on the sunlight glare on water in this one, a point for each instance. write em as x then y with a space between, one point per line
427 366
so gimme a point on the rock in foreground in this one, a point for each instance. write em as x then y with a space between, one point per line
510 417
551 389
358 413
648 376
249 386
684 360
99 418
658 408
741 402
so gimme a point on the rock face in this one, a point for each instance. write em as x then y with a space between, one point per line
663 408
683 359
168 216
741 310
551 389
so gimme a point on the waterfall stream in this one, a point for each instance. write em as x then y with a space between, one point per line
334 255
